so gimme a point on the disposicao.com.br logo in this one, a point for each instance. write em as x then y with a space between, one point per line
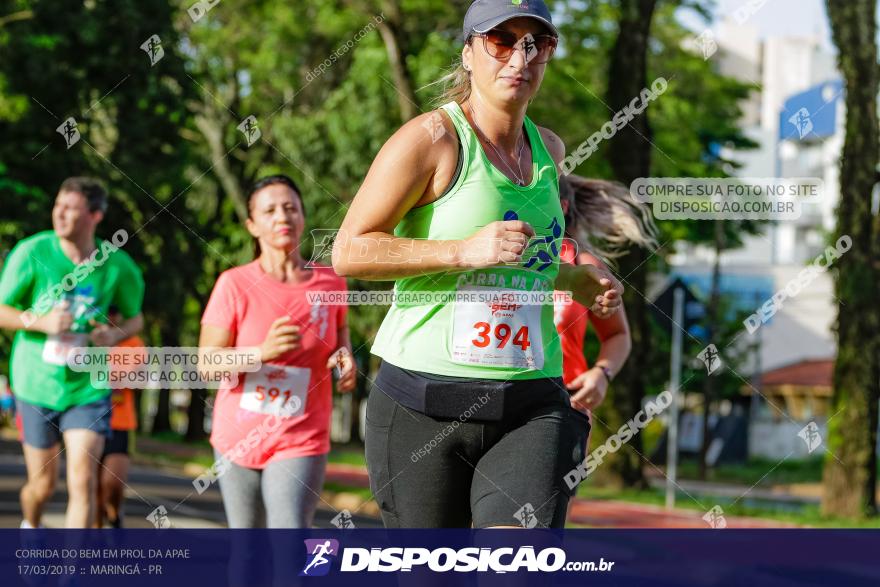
321 552
440 560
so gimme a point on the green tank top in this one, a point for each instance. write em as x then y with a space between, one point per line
426 329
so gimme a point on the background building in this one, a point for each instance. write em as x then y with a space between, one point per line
795 114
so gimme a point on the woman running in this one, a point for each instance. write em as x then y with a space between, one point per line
272 430
603 211
468 422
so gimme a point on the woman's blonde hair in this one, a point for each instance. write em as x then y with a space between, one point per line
455 84
604 217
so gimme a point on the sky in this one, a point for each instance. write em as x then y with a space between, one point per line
774 18
785 17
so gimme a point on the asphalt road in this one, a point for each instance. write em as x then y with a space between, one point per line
147 490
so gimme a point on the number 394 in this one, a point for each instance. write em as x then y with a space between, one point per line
502 333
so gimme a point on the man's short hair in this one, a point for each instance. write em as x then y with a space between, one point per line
92 189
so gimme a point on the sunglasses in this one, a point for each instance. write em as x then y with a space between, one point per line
501 44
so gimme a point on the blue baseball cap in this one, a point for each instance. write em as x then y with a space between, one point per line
484 15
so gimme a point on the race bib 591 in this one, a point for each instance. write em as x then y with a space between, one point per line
276 389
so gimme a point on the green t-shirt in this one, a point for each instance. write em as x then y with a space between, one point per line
36 276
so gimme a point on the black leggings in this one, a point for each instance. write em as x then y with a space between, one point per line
430 472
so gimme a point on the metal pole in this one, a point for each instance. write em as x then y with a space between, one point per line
674 382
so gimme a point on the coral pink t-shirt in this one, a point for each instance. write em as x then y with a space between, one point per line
246 301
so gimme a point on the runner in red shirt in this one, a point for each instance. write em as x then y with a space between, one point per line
271 431
595 210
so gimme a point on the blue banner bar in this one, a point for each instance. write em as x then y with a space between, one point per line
619 558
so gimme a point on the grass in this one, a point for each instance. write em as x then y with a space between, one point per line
362 492
201 453
177 439
807 515
769 472
348 456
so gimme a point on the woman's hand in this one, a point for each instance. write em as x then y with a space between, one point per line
347 372
502 241
593 287
281 338
589 388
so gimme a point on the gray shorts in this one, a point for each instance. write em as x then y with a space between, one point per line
43 427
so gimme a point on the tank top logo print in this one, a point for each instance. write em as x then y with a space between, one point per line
540 257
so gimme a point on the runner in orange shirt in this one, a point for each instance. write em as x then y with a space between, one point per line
115 460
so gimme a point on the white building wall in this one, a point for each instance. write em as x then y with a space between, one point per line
774 440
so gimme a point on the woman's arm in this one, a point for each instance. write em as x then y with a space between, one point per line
615 341
590 387
613 333
215 342
216 357
403 172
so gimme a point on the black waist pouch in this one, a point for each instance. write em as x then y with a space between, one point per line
442 396
465 400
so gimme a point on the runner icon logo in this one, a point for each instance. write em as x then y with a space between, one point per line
320 554
802 122
542 256
69 131
715 518
810 434
153 48
526 516
343 520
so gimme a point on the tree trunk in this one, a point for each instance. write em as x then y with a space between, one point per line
195 425
138 410
389 29
169 336
630 157
162 421
210 122
850 473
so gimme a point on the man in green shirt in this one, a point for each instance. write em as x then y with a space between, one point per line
55 291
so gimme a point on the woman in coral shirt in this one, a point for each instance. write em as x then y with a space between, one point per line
271 431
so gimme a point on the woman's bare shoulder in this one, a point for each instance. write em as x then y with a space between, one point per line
425 138
428 146
553 143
